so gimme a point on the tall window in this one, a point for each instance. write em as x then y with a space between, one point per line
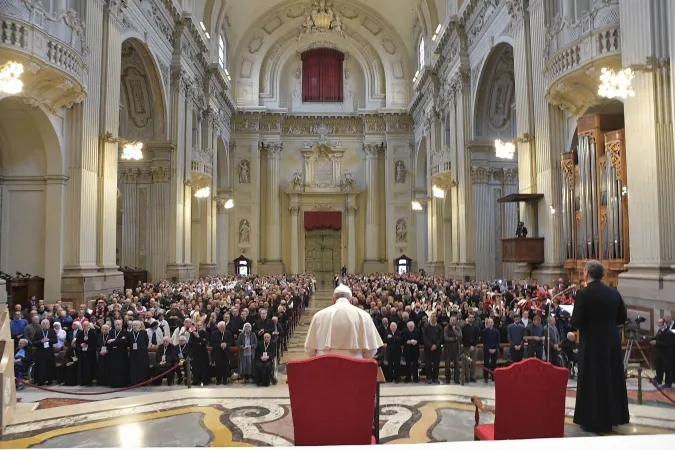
221 51
421 56
322 75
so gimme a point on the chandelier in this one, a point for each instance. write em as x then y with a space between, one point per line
10 78
203 192
504 150
437 192
132 151
616 84
322 19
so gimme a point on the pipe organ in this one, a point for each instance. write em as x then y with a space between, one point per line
594 198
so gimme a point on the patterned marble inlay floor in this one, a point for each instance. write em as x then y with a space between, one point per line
254 421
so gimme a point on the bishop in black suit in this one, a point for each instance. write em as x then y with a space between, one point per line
602 399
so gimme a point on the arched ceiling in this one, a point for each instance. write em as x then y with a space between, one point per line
401 14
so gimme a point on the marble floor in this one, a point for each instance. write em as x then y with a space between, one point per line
249 416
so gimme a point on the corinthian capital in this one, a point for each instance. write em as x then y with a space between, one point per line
130 175
274 149
372 150
116 8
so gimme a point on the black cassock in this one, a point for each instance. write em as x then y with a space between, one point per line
86 355
264 370
221 356
71 366
139 362
105 364
182 352
168 355
118 358
45 366
602 400
199 342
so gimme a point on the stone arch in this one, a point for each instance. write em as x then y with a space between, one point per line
33 192
224 173
142 95
421 165
494 116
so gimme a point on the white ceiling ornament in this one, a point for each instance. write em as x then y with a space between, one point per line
322 19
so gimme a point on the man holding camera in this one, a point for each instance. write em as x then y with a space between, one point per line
664 342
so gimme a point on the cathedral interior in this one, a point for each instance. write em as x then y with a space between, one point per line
183 139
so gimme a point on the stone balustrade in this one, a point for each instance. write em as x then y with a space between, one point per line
51 47
441 170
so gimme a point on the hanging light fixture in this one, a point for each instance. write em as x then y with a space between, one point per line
229 204
437 192
203 192
416 206
505 150
617 84
132 151
10 78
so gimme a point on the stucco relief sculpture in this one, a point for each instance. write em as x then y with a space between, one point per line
349 184
400 172
244 232
297 183
244 172
401 231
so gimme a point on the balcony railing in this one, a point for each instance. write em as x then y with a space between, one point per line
441 169
202 160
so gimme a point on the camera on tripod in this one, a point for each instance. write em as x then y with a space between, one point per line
633 331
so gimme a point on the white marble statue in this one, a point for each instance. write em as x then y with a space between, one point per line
297 180
244 172
349 183
401 231
400 172
244 232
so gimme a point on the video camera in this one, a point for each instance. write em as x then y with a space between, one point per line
633 330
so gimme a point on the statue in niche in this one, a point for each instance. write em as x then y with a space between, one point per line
244 232
244 172
400 172
349 183
296 183
401 231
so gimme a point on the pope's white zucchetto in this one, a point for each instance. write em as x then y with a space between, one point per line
342 291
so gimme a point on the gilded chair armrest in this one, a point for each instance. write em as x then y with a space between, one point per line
480 408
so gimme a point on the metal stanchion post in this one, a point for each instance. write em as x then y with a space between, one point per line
639 393
462 372
188 372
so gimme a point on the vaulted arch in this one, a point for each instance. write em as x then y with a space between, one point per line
495 96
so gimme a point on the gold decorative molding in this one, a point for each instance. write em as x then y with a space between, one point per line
567 166
614 150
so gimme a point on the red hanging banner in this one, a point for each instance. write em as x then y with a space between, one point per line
323 220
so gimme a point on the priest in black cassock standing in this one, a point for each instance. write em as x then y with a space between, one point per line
602 399
199 342
118 356
86 354
265 353
139 361
45 366
104 362
221 341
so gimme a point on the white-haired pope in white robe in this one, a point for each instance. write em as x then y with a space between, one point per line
342 329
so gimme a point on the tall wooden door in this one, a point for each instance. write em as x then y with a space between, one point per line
322 254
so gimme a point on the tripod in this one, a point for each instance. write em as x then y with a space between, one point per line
629 346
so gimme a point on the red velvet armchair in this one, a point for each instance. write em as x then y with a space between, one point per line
332 400
529 403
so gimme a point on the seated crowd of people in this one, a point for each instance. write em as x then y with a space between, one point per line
220 324
422 318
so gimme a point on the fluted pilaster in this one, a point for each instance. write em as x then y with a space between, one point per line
273 216
484 220
129 250
223 234
372 152
294 209
350 210
159 228
465 188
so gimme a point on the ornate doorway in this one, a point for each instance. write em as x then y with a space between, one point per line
322 254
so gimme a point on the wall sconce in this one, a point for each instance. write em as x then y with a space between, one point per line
507 150
617 84
416 206
437 192
229 204
552 209
10 78
130 150
203 192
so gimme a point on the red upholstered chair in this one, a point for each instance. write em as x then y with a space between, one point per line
332 400
529 402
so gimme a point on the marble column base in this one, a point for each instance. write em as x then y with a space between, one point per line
549 273
79 285
436 269
7 388
374 267
461 271
181 272
272 268
207 269
648 286
3 292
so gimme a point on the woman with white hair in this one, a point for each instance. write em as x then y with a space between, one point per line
60 335
247 343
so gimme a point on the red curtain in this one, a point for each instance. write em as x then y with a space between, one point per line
323 220
322 75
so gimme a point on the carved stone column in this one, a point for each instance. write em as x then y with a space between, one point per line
55 188
350 210
646 29
159 227
273 261
129 250
483 222
294 209
372 257
223 224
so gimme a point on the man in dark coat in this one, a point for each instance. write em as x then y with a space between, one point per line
664 342
199 343
221 342
265 353
165 358
118 356
393 353
432 336
412 338
86 354
602 400
139 361
45 366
